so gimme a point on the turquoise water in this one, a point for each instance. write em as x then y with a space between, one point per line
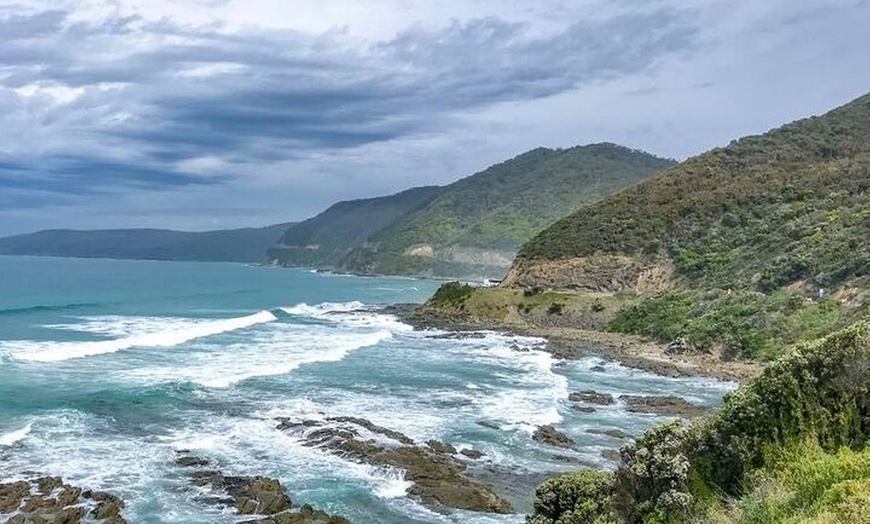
108 367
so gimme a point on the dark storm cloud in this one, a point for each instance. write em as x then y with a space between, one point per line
146 91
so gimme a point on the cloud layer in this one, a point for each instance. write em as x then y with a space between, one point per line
216 114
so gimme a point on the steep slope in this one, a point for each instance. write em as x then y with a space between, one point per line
322 241
475 225
789 207
231 245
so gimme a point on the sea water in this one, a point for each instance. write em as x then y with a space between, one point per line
108 368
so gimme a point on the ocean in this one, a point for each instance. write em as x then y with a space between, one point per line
109 367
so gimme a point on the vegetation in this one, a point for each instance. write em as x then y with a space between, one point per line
742 324
322 241
472 227
452 295
791 205
231 245
790 446
501 305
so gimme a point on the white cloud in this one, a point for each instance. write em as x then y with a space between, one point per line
283 107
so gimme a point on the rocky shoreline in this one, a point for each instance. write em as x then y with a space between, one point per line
573 343
49 500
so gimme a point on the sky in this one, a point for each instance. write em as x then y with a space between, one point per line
212 114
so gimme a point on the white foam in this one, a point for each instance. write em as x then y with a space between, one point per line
176 333
325 308
392 484
13 437
529 392
276 351
349 314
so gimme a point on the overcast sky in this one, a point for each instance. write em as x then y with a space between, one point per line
205 114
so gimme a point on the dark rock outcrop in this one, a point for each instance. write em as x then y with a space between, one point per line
614 433
249 495
552 436
471 453
438 478
592 397
48 500
304 515
255 496
665 406
440 447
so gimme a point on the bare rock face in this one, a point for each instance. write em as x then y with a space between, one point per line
601 273
438 478
552 436
48 500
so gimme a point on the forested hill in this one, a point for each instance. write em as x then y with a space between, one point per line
231 245
473 226
324 240
789 207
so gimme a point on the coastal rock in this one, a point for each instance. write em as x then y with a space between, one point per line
249 495
592 397
582 409
437 477
614 433
471 453
256 495
552 436
441 447
48 500
304 515
488 424
664 405
191 461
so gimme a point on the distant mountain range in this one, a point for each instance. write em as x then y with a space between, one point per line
231 245
472 227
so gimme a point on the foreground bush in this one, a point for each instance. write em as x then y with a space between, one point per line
755 446
584 497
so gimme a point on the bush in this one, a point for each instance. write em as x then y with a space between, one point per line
451 294
584 497
818 397
812 486
555 308
653 483
819 392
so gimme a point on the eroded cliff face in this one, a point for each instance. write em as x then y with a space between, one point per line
600 273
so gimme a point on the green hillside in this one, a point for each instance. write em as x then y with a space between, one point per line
784 207
324 240
471 227
229 245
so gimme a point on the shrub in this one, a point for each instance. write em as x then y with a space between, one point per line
451 294
583 497
555 308
653 483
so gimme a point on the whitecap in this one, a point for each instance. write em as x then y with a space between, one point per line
177 333
13 437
